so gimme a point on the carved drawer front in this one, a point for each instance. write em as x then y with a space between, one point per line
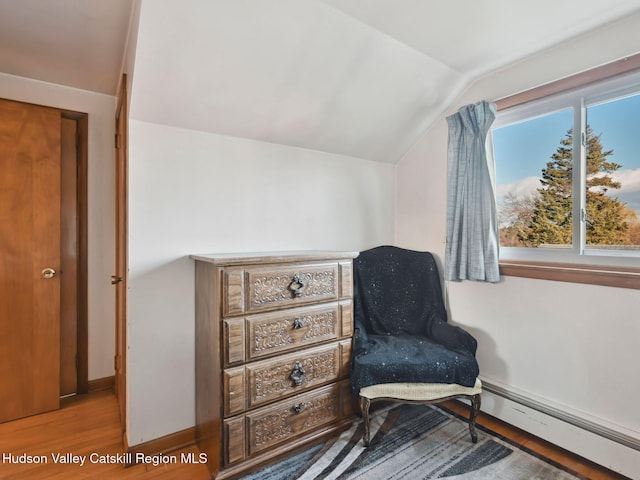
290 374
277 287
233 338
271 333
234 440
346 279
279 423
234 391
346 314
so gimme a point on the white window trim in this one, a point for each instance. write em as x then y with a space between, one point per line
579 99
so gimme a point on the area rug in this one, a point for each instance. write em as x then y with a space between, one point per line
412 442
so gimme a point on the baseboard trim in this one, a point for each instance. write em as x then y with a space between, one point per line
159 446
100 384
564 416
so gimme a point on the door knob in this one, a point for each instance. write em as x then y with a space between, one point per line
115 279
48 273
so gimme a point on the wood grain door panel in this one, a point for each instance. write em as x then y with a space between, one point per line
29 243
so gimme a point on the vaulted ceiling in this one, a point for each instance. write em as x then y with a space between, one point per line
362 78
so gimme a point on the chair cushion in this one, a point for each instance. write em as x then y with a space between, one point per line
419 391
410 359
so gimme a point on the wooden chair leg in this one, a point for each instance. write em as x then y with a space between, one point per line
475 408
365 403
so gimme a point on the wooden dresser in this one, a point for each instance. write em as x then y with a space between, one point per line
273 343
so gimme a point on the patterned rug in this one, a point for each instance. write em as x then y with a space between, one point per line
412 442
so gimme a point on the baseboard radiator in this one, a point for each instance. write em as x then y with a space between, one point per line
608 433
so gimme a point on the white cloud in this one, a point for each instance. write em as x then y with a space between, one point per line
628 193
521 188
630 180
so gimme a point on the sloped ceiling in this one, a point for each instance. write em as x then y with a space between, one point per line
363 78
294 72
474 37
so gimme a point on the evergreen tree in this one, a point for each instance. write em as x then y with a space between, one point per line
606 223
551 221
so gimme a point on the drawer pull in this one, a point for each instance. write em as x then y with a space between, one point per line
297 374
297 323
298 408
297 285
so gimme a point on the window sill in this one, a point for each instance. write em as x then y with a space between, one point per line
622 277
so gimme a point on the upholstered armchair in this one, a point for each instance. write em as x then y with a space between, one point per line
403 348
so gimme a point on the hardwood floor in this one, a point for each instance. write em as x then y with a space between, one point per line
537 446
89 424
86 425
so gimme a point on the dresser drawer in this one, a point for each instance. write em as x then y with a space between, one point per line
301 327
275 424
276 332
259 289
252 385
267 334
287 375
273 288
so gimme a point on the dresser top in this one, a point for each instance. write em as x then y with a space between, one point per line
257 258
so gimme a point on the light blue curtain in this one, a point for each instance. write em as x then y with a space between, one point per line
472 234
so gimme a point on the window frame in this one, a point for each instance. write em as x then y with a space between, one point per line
579 263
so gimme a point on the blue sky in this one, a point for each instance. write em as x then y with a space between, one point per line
522 150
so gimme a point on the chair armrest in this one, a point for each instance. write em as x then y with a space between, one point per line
360 339
452 337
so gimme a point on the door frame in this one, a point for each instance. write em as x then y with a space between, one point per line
120 279
82 155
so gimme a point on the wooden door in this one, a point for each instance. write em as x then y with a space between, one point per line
29 259
120 277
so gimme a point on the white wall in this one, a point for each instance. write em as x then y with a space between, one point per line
568 345
101 110
195 192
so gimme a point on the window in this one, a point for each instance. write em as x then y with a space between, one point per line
568 175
